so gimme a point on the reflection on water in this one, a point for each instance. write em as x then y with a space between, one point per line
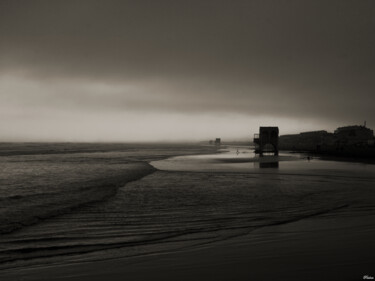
215 198
274 164
267 161
243 160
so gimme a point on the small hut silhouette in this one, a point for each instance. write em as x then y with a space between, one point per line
267 140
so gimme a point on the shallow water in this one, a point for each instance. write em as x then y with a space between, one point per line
196 201
243 159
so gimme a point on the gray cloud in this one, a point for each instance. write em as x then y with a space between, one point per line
290 59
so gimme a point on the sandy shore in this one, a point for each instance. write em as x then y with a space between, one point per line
320 248
266 159
336 245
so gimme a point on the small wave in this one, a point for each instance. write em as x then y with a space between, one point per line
22 210
189 237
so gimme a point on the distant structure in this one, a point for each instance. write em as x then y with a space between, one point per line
218 141
306 141
354 134
267 140
210 142
354 140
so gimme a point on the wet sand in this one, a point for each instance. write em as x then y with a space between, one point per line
266 159
336 245
320 248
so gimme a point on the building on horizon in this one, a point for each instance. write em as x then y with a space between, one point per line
354 135
356 140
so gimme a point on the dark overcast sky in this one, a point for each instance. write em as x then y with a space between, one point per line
174 70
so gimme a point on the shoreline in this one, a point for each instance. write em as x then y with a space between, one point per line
107 185
264 159
333 245
335 157
326 247
104 183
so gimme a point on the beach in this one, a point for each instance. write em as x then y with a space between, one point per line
187 140
186 213
314 249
